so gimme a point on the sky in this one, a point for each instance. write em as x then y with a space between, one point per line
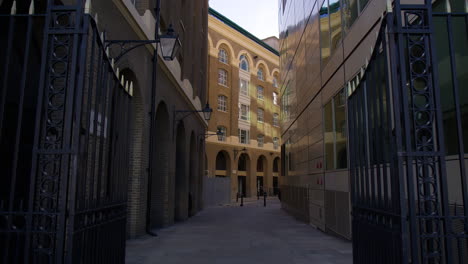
259 17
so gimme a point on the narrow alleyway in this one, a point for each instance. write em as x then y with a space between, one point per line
234 234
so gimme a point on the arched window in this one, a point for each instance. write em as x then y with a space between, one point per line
275 142
260 140
275 82
275 165
260 74
222 56
275 119
221 163
222 103
244 64
223 132
222 77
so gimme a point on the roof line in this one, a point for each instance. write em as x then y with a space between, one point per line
230 23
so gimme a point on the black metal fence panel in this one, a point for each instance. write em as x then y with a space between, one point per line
64 121
409 191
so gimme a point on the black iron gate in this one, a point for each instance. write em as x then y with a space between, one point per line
409 192
64 122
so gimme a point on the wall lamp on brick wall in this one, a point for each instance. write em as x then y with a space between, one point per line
219 133
179 115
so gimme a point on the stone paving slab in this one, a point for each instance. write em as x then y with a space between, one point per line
234 234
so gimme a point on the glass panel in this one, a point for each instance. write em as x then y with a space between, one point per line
446 86
340 131
335 23
460 42
329 136
324 33
350 13
362 5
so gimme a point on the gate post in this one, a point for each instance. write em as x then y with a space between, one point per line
54 157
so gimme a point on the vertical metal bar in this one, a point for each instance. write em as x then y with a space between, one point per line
456 98
37 131
6 74
369 86
79 48
440 138
395 91
407 135
4 87
153 122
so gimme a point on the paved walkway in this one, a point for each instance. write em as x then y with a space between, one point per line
240 235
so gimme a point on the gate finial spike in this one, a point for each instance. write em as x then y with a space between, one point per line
13 8
371 50
96 18
122 81
117 72
107 51
31 8
126 86
367 62
87 8
112 63
389 6
131 89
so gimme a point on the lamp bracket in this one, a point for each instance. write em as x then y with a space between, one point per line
127 45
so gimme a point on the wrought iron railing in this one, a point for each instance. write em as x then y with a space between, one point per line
64 119
404 210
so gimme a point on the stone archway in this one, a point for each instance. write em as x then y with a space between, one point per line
223 164
276 175
243 175
160 166
181 181
261 180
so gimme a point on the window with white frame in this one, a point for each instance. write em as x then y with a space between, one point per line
260 92
244 87
244 135
275 120
260 140
260 115
275 98
222 56
275 143
222 77
260 74
223 133
275 82
243 64
222 103
244 112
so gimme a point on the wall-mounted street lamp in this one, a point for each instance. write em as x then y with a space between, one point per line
236 151
179 115
219 133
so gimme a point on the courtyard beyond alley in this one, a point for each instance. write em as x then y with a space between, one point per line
233 234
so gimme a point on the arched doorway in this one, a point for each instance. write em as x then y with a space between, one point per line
180 192
276 164
243 165
223 164
160 169
261 175
193 177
